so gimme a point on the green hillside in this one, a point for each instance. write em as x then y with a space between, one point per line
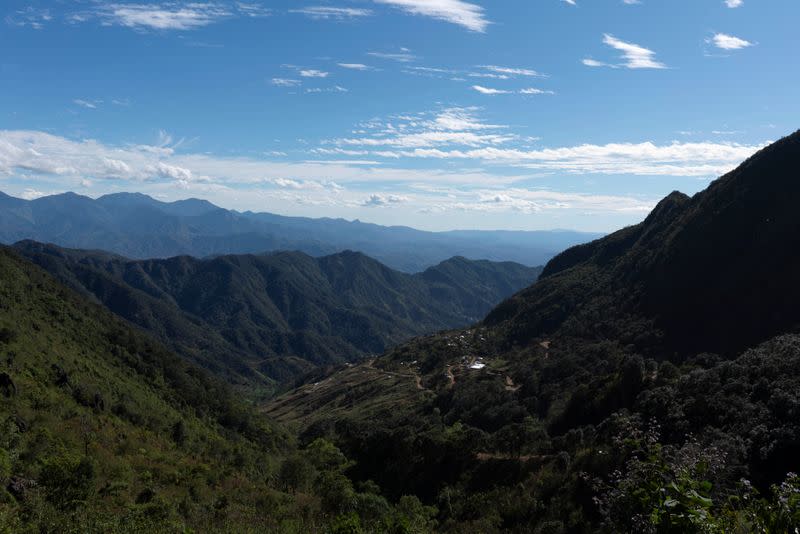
262 320
104 430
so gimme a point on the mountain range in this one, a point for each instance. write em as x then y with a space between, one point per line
137 226
263 319
647 382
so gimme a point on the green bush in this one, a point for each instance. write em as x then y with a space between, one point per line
67 481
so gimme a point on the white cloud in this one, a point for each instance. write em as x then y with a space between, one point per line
164 16
313 73
253 10
570 2
647 159
85 103
172 172
306 185
427 139
734 3
403 56
334 13
527 91
635 56
535 91
455 119
489 90
31 17
594 63
333 89
354 66
377 200
44 154
729 42
335 187
468 15
285 82
510 71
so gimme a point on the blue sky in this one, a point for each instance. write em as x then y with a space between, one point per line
438 114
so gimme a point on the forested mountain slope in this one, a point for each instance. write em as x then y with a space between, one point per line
648 382
103 431
270 318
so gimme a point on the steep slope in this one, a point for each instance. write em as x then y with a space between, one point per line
713 273
632 388
254 319
105 430
137 226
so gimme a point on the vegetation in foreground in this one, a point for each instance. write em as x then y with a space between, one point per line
104 430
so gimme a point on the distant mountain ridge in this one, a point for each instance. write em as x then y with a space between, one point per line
137 226
256 319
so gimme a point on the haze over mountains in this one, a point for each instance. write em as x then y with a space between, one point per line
137 226
266 319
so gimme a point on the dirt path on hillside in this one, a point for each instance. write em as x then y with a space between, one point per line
413 375
450 377
510 386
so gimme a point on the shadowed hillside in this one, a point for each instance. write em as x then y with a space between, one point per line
258 319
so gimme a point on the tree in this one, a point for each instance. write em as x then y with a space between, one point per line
67 481
296 474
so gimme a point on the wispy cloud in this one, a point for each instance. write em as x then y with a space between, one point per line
589 62
285 82
403 56
88 104
52 163
512 71
253 10
734 3
728 42
466 14
31 17
644 159
377 200
164 16
332 89
489 90
355 66
312 73
635 56
332 13
526 91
